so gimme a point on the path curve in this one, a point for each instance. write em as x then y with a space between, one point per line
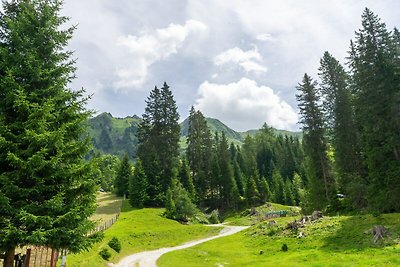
149 258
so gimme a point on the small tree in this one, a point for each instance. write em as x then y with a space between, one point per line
251 193
178 203
138 186
122 178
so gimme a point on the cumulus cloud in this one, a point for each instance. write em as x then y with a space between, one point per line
247 60
245 105
147 49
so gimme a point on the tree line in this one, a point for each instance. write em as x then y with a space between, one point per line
213 174
351 124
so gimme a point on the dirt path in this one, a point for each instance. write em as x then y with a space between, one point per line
149 258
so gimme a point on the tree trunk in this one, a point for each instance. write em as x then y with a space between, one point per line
9 258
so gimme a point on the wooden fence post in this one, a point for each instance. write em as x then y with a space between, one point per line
28 257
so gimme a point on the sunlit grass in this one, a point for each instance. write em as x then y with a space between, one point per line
333 241
140 230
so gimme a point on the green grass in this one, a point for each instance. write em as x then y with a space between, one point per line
333 241
140 230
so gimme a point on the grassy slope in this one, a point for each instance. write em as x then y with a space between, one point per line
140 230
333 241
108 206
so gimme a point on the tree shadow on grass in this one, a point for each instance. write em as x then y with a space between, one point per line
109 205
354 233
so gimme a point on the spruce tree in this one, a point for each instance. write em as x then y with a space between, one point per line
320 181
47 191
374 62
138 186
186 179
277 187
122 179
199 152
229 194
341 125
158 148
251 193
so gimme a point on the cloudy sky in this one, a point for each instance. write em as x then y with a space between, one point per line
238 61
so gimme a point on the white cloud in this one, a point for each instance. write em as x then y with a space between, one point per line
265 37
245 105
145 50
248 60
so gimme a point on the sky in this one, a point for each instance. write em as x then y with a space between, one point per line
237 61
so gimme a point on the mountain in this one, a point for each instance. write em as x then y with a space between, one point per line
276 132
214 125
118 135
115 136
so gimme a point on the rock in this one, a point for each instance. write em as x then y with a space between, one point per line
272 223
301 235
293 225
316 215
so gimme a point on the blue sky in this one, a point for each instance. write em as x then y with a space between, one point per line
238 61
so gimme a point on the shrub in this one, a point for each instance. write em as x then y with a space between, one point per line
105 254
178 205
284 247
214 217
115 244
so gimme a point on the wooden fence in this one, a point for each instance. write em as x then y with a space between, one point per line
34 256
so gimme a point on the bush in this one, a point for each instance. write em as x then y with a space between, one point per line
284 247
178 204
105 254
115 244
214 219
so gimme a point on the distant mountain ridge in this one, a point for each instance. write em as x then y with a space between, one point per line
118 135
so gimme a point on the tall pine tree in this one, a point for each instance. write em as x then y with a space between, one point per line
342 130
199 153
158 148
47 193
321 183
374 62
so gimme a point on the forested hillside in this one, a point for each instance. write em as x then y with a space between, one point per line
117 136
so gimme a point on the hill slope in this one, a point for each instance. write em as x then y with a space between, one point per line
331 241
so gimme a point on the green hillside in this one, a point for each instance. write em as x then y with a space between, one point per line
117 136
330 241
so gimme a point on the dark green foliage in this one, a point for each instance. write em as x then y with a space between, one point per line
374 62
105 170
284 248
320 180
229 193
199 153
105 254
158 136
114 244
341 128
178 204
122 179
214 217
251 193
138 186
47 192
277 187
288 196
186 179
